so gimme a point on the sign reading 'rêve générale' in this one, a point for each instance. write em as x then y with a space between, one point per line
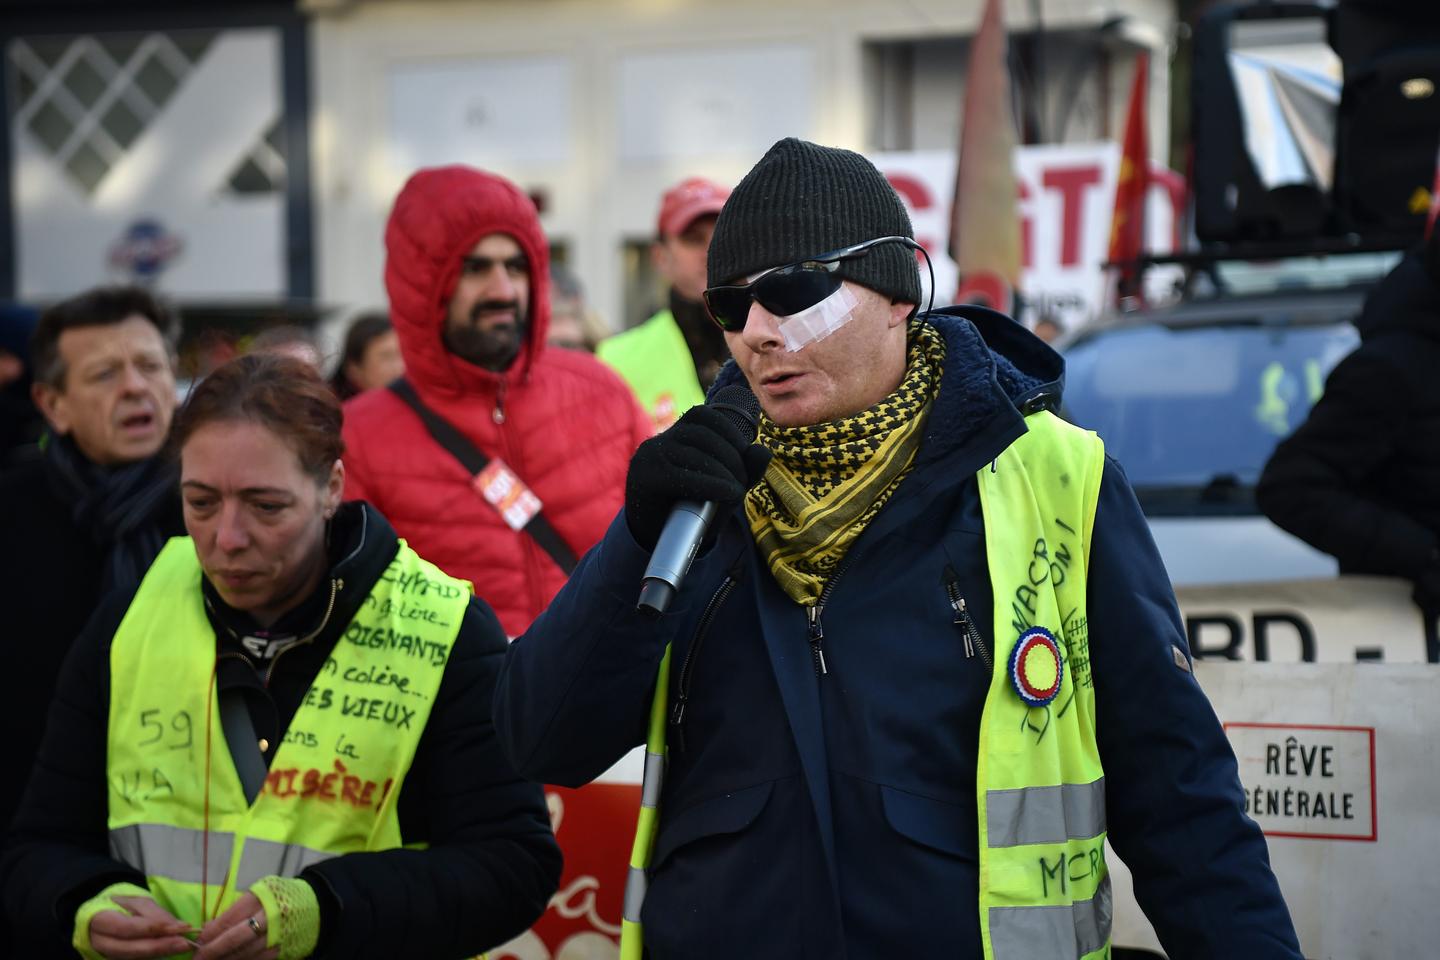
1306 780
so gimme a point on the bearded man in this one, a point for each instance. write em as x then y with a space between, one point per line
529 463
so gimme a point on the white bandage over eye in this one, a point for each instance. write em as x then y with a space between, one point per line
816 323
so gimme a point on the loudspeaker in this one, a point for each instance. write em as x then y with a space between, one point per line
1237 200
1388 131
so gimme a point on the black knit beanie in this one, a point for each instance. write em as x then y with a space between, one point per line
802 200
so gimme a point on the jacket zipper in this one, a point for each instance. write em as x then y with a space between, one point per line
973 641
336 585
535 558
815 630
687 669
498 414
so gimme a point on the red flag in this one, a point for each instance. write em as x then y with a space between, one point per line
1127 226
984 216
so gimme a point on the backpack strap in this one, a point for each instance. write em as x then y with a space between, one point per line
458 446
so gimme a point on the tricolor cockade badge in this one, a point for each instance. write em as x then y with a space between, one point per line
1036 667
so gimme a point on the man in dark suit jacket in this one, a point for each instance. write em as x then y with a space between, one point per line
89 508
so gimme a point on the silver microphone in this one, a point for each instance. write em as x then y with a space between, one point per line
683 532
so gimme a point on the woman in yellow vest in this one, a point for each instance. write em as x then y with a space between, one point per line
281 745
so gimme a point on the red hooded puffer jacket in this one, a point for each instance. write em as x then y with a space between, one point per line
562 421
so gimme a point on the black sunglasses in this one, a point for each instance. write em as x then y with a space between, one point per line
789 289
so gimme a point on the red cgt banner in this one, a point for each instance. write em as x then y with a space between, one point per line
595 826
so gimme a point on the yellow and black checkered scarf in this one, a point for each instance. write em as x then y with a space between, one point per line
828 481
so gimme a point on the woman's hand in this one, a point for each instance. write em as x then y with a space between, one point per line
233 935
149 930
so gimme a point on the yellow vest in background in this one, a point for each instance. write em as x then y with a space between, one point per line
655 361
177 812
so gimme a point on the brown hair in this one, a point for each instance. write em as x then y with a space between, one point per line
363 330
281 393
99 307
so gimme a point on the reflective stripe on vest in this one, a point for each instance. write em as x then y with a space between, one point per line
1040 787
177 811
1048 800
1079 930
264 858
159 850
1070 811
175 853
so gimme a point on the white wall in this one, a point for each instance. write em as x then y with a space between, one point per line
730 76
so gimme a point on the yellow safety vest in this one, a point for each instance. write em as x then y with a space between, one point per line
1044 888
177 811
655 361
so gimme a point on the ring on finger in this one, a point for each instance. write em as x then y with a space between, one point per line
255 927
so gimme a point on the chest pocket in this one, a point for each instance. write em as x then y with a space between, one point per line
718 816
947 827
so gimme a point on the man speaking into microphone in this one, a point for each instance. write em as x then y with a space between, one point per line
925 658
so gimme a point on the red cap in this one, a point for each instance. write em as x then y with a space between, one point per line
686 201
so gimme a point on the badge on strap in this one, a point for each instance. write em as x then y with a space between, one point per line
1036 667
507 493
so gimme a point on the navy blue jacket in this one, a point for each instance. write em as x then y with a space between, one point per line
834 816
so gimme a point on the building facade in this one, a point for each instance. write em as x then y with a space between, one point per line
242 157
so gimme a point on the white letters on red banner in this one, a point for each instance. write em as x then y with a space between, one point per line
1067 196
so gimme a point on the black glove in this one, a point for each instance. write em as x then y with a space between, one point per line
704 456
